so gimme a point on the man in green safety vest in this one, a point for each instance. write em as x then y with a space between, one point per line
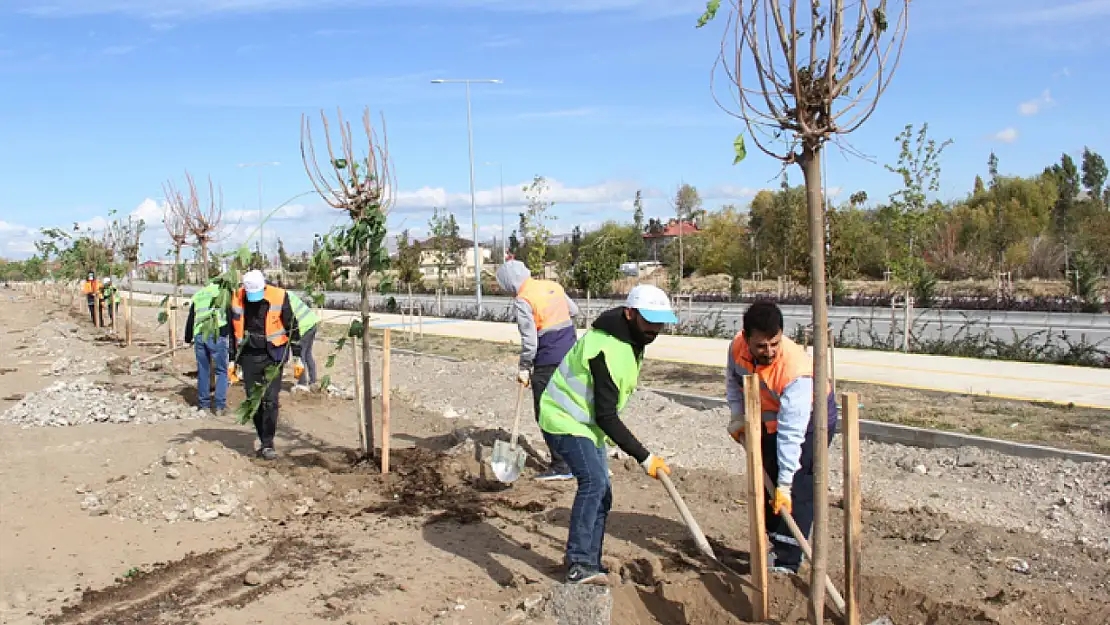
307 320
211 349
579 413
109 292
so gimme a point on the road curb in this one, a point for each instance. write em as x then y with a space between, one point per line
916 437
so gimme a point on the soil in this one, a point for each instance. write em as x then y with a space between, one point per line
175 521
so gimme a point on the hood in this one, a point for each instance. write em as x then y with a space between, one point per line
613 323
511 276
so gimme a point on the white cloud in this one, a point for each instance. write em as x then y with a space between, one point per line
730 192
16 241
1006 135
1036 105
425 198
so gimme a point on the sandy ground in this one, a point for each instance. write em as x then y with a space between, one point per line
168 518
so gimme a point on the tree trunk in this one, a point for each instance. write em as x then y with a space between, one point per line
811 167
204 263
130 297
173 300
681 254
367 379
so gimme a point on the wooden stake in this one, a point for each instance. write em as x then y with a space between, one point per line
756 521
98 312
172 318
385 401
853 507
358 396
130 295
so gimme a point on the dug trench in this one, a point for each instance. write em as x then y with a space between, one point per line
193 529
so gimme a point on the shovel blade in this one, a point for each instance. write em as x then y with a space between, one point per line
507 463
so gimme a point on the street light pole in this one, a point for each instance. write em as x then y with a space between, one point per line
473 203
261 231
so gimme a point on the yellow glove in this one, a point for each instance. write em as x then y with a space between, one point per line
653 465
782 501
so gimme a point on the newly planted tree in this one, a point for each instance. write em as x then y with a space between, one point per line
360 184
803 72
204 217
126 240
534 221
177 227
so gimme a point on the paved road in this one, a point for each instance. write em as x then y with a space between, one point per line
855 325
1083 386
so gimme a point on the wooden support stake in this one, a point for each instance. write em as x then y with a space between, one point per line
173 325
756 521
98 310
385 400
130 296
115 313
853 507
358 396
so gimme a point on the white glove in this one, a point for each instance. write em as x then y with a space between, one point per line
524 376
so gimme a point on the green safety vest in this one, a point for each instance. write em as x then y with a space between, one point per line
306 318
567 405
110 294
203 308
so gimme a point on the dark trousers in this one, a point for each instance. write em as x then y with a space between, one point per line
92 312
541 375
254 363
786 549
590 511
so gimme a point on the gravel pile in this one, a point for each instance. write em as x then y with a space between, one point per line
1058 499
80 402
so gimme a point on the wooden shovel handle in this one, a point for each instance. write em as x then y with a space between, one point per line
687 518
516 419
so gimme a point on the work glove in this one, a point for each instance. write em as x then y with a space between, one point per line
736 429
782 500
524 376
653 465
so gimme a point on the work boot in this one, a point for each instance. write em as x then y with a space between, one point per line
267 453
559 472
219 412
582 574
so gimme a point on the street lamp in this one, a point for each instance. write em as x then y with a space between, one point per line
473 209
261 238
501 188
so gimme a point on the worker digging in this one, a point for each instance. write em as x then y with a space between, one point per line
580 410
545 318
785 373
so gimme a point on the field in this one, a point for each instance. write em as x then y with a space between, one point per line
122 505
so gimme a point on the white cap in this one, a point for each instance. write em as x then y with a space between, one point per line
254 281
108 280
652 303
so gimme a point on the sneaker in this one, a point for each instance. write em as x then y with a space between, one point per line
267 453
301 388
582 574
784 569
220 412
555 474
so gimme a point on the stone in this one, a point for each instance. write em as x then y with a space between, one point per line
581 604
934 535
170 457
202 515
882 620
920 469
335 603
223 509
173 473
215 490
171 516
252 578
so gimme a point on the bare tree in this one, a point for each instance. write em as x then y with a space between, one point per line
126 240
175 219
361 186
815 70
204 217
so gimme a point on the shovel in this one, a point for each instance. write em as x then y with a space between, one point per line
507 460
691 524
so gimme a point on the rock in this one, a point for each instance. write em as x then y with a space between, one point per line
173 473
215 490
170 457
654 570
287 582
934 535
907 463
223 509
1017 565
450 413
967 457
581 605
171 516
335 603
252 578
882 620
920 469
202 515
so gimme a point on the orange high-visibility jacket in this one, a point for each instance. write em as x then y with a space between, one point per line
548 302
276 333
791 363
90 288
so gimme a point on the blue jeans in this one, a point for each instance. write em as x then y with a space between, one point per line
211 356
590 511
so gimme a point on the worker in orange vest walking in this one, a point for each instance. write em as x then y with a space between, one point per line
91 290
545 318
785 374
263 324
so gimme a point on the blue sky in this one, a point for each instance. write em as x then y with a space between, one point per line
104 100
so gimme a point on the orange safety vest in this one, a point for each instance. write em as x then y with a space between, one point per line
791 363
276 334
548 302
89 288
